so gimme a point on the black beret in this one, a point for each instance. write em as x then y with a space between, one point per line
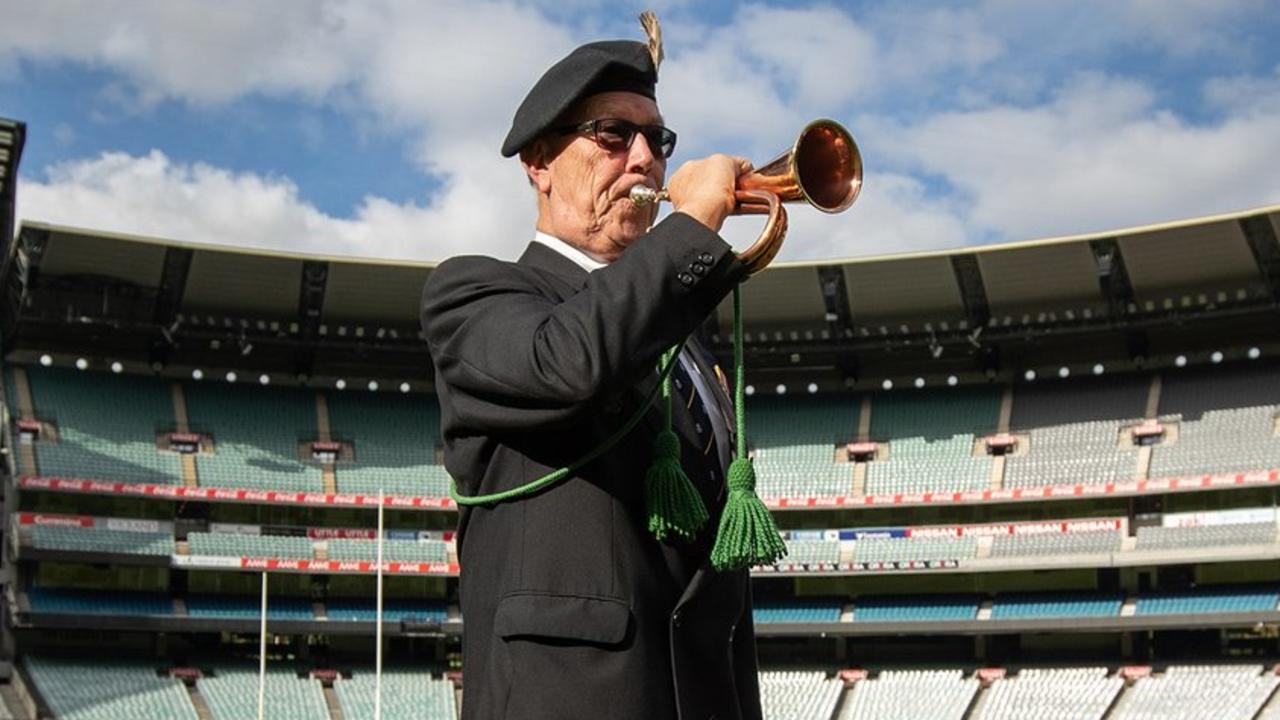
591 69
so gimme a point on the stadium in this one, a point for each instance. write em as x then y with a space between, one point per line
1031 480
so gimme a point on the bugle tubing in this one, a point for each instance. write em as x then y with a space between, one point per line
823 168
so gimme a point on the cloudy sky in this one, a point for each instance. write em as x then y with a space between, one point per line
372 128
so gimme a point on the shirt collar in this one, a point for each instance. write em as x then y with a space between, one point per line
578 257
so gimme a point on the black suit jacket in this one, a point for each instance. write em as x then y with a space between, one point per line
572 608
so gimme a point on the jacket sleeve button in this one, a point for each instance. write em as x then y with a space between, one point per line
685 279
706 258
698 269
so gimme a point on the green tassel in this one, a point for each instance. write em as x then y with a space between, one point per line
675 508
747 535
674 505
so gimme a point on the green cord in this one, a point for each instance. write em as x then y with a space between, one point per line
559 474
739 376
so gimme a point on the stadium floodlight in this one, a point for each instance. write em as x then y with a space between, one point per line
1099 368
1180 361
1030 375
1064 372
1255 353
919 382
340 384
887 384
197 374
781 389
82 364
231 376
373 386
952 381
46 360
264 379
750 389
813 388
117 367
404 387
1216 357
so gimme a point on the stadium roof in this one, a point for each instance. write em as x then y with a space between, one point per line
13 135
1232 253
1098 282
1235 252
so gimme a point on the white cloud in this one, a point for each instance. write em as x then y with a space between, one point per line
200 52
968 136
152 195
1100 155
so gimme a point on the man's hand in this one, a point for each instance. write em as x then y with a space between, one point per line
703 189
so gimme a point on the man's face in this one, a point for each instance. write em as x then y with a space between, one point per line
585 187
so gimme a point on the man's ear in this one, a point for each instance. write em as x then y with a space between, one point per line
535 158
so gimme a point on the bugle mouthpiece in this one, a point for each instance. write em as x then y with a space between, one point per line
643 195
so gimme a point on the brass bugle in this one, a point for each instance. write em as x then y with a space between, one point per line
822 168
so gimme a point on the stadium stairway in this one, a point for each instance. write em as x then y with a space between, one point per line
1270 709
16 699
332 702
197 701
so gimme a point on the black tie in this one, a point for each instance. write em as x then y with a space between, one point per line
686 394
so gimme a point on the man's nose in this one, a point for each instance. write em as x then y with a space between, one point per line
640 157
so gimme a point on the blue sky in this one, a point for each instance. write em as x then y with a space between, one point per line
372 128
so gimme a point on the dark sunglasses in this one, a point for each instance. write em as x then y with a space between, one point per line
616 135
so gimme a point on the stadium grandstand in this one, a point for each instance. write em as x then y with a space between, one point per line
1032 480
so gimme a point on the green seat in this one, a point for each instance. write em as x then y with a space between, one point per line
256 434
106 426
90 689
395 439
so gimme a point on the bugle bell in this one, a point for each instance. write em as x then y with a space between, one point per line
822 168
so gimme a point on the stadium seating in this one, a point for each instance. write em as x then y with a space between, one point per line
101 540
406 695
1226 421
912 695
812 551
1156 538
1010 606
106 426
1054 694
794 443
1227 692
1224 599
931 436
232 694
802 431
1073 427
796 611
98 602
246 545
393 610
915 608
392 550
252 448
1056 543
90 689
803 478
395 438
920 549
798 695
249 606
